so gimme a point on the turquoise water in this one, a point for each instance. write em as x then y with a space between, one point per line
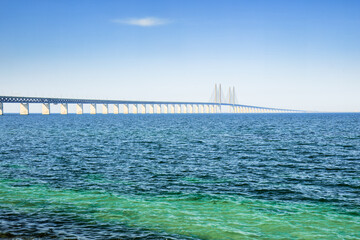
261 176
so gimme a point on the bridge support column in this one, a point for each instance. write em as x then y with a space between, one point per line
135 109
190 108
151 108
93 108
201 108
79 108
116 108
24 109
165 108
1 108
143 108
172 108
211 109
105 108
158 108
184 109
45 108
126 108
64 108
196 108
178 108
206 109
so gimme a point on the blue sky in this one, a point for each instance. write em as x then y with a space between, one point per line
288 54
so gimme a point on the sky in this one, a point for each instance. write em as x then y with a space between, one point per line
295 54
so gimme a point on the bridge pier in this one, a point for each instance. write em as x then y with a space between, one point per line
165 108
126 108
45 109
158 108
93 108
64 108
105 108
143 108
172 108
116 108
135 109
24 109
1 108
178 108
196 108
183 108
190 108
151 108
79 108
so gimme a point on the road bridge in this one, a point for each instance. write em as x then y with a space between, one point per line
142 107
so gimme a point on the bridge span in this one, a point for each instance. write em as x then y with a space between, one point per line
151 107
143 107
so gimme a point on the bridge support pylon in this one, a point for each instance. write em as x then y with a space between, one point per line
143 108
24 109
158 108
135 108
126 108
64 108
1 108
165 108
184 109
196 108
93 108
79 108
190 108
151 108
116 108
172 108
45 109
211 108
178 108
105 108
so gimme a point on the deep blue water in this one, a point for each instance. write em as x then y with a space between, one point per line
244 176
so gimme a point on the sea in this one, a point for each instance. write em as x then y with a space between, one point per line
180 176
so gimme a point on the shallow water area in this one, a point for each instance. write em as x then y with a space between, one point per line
246 176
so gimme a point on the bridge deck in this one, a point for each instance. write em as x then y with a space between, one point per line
14 99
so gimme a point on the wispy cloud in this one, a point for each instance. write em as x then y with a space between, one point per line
142 22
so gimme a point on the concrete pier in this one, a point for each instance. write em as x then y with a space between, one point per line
184 109
1 109
158 108
143 108
151 108
211 108
178 108
93 108
24 109
190 108
105 108
126 108
172 108
165 108
79 108
196 108
64 108
116 109
135 109
45 108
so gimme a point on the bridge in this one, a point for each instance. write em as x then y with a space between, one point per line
213 106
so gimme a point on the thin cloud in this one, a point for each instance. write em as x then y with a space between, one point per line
142 22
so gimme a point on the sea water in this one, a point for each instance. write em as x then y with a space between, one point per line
199 176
